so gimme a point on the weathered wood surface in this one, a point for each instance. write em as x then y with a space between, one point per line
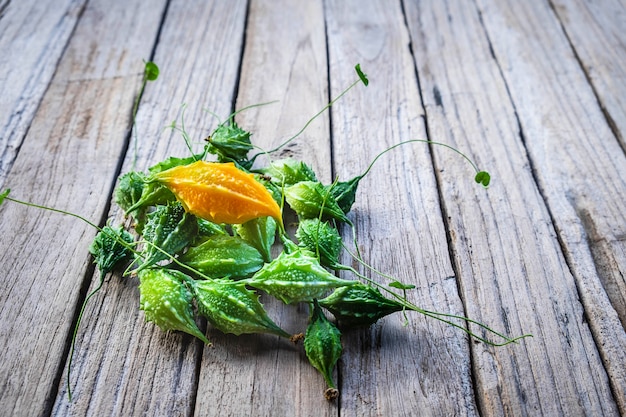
532 91
596 32
32 39
151 372
481 109
285 60
69 160
391 369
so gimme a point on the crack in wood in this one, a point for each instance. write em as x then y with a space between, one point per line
607 266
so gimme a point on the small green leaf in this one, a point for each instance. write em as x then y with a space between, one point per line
483 177
230 143
108 250
344 193
361 75
401 286
151 71
4 194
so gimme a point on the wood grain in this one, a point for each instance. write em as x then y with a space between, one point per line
513 272
579 166
151 372
390 369
68 161
595 31
284 59
532 91
33 36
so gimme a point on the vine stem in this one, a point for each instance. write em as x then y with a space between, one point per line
75 334
326 107
430 142
150 73
432 314
29 204
92 293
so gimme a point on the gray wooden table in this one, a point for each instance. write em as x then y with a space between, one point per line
533 91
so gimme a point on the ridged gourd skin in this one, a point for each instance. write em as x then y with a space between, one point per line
166 301
219 192
232 308
129 190
286 172
296 277
107 249
260 233
322 239
359 305
309 199
322 344
169 229
223 256
208 229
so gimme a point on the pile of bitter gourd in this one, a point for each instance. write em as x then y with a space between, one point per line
203 238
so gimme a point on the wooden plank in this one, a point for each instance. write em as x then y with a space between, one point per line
285 60
388 369
33 36
579 164
125 366
542 250
596 33
508 256
68 161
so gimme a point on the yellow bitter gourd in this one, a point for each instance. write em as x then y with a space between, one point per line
219 192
